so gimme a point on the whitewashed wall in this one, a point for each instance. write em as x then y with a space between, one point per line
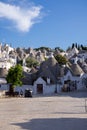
39 81
84 76
83 54
78 79
4 87
23 88
49 89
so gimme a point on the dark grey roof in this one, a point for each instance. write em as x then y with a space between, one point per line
49 68
3 72
82 51
49 63
26 80
47 73
76 69
33 70
20 53
83 65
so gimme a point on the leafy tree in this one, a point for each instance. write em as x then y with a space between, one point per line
43 48
61 59
76 45
61 50
83 47
73 45
31 62
14 77
79 46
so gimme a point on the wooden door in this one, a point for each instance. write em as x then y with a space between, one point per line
39 88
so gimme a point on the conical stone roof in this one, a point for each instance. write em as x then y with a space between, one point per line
76 69
3 72
49 68
47 74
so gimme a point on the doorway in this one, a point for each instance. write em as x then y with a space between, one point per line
39 88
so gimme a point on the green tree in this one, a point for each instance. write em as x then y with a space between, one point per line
31 62
14 77
61 50
61 59
73 45
42 48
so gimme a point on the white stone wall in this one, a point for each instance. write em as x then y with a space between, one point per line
78 79
6 65
23 88
39 81
4 87
84 76
83 55
49 89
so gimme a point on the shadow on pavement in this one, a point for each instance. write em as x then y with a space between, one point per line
75 94
54 124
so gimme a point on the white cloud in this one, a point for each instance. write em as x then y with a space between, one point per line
22 18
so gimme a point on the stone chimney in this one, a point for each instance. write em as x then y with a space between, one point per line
75 60
48 80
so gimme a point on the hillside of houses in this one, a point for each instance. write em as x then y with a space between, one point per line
47 75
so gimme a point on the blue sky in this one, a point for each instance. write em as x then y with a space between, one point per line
50 23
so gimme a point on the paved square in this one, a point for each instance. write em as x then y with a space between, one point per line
65 111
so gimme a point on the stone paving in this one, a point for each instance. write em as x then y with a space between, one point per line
65 111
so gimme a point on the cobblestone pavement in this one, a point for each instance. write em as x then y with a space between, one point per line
65 111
